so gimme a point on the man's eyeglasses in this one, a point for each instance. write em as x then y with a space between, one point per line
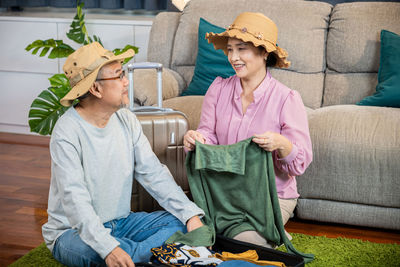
121 76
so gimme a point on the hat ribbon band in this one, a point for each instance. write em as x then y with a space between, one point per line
88 70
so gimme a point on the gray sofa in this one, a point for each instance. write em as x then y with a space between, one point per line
334 50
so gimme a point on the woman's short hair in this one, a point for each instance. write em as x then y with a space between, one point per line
271 59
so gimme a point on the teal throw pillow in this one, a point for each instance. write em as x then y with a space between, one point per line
388 89
210 63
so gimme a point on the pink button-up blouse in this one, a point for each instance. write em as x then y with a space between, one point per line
275 108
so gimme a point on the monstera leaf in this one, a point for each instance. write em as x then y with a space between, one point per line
57 48
78 32
46 108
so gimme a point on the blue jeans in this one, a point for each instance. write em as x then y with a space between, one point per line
137 234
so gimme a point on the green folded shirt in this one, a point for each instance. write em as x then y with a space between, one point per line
235 186
201 237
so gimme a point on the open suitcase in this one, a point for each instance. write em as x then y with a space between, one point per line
164 128
234 246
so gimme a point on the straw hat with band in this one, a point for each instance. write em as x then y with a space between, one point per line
255 28
82 67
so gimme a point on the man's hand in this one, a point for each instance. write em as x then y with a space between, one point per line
118 257
193 223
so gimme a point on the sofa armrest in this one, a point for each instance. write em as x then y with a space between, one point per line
162 37
145 85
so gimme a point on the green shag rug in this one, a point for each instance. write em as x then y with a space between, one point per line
328 252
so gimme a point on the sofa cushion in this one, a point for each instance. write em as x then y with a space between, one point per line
348 88
302 34
307 84
354 35
348 213
335 2
145 86
353 49
356 152
388 88
190 105
210 63
162 36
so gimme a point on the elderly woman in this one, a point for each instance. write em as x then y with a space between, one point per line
253 103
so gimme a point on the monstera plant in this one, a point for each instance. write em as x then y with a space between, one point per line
46 108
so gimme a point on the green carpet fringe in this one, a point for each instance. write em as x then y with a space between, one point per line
328 252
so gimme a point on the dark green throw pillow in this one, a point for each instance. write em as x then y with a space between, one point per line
388 89
210 63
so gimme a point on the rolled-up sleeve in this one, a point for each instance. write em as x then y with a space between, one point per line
294 126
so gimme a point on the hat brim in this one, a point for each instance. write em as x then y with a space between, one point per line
83 86
220 41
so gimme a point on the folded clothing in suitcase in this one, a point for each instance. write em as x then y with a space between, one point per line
235 246
164 128
225 244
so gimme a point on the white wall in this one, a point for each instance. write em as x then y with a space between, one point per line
23 75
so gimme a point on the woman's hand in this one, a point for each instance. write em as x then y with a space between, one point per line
271 141
189 140
193 223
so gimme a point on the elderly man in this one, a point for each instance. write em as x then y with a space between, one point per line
97 149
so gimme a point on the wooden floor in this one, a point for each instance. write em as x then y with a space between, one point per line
24 185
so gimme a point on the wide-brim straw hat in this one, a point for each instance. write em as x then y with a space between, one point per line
82 67
255 28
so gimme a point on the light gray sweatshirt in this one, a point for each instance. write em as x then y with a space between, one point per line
92 172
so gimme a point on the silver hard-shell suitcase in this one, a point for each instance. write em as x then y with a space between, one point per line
164 128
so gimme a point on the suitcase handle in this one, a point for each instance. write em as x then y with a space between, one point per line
146 65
